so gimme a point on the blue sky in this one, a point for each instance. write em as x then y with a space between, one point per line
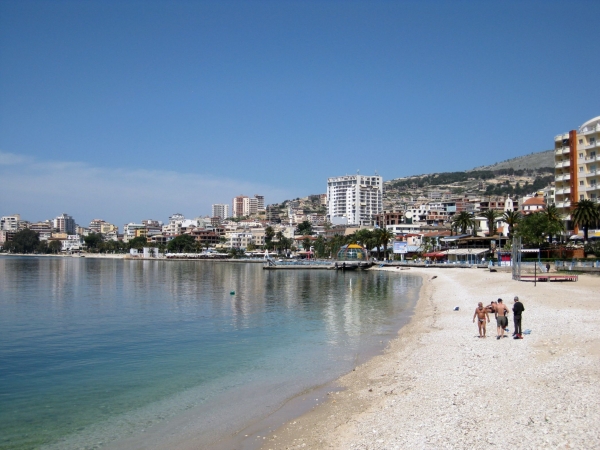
128 110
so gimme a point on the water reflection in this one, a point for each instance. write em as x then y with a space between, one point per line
89 337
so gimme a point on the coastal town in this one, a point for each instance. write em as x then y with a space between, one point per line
443 222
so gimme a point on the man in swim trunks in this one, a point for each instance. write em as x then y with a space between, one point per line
491 308
501 318
481 314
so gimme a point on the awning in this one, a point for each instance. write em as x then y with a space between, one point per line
467 251
435 255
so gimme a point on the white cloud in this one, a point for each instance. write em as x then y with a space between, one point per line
43 189
10 159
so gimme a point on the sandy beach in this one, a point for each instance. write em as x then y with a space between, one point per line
440 386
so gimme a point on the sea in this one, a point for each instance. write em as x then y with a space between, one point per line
112 353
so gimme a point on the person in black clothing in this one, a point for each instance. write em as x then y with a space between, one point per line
518 309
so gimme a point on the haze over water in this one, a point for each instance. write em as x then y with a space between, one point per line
94 351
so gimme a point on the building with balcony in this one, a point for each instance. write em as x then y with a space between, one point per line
577 166
10 223
65 224
354 199
220 210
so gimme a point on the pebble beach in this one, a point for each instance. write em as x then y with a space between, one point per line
438 385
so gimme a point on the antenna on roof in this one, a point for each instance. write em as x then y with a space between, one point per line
357 171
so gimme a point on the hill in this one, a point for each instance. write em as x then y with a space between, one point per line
515 177
539 160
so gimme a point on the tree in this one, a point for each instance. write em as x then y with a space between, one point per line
320 247
138 242
533 229
306 244
269 234
384 235
93 240
55 247
24 241
304 229
181 244
585 215
463 221
511 218
555 221
490 216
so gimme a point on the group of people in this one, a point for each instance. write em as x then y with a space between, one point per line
500 311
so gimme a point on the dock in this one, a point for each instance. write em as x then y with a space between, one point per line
543 277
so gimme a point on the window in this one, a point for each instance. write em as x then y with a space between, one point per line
581 141
581 169
581 156
592 140
581 183
581 197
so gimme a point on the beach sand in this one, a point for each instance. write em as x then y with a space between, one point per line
439 386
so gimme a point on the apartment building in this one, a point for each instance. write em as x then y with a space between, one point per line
260 199
101 226
220 210
65 224
577 166
354 199
10 223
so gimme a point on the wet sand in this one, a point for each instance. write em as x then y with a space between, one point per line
438 385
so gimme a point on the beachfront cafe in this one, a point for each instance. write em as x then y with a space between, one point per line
467 249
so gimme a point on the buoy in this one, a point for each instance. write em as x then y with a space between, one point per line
232 293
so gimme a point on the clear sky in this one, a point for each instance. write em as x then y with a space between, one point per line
129 110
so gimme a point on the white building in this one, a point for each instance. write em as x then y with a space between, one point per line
220 210
72 243
354 199
10 223
250 207
261 201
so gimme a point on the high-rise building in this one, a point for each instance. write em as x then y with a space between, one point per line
261 201
220 210
237 209
354 199
10 223
577 166
250 207
65 224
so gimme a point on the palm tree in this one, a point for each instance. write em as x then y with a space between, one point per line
463 221
555 221
384 238
490 216
585 214
511 218
269 234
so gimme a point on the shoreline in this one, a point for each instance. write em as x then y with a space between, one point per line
438 385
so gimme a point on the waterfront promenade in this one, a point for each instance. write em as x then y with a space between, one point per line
439 386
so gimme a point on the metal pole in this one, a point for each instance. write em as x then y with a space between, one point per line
535 274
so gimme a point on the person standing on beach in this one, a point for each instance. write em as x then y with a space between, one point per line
481 314
501 318
518 309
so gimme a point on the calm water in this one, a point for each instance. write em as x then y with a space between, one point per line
96 351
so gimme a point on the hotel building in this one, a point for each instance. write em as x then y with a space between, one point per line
354 199
577 166
220 210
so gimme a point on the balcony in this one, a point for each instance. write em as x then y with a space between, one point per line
565 163
563 191
588 130
563 204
